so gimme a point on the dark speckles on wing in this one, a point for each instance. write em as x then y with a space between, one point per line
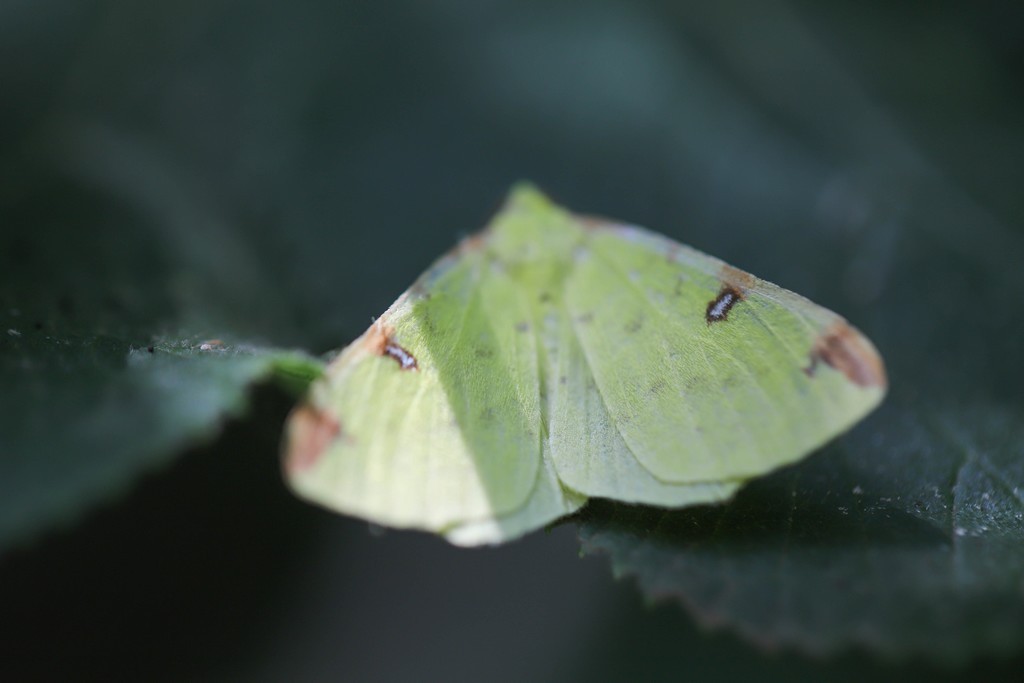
659 386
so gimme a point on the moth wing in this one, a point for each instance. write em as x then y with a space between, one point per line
431 419
707 374
589 451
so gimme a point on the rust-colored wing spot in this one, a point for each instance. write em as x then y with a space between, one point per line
376 338
380 342
590 222
740 280
474 242
846 350
310 432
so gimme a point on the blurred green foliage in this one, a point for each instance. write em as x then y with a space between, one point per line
273 175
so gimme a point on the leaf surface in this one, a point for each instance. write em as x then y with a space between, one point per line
905 539
86 415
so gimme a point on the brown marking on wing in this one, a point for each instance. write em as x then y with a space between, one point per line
590 222
843 348
719 307
471 243
379 341
406 360
740 280
310 432
376 338
735 284
211 345
474 242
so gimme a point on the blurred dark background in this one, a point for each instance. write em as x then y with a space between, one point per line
281 172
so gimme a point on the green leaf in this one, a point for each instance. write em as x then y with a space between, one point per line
103 375
905 539
85 415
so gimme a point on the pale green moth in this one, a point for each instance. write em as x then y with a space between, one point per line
554 357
